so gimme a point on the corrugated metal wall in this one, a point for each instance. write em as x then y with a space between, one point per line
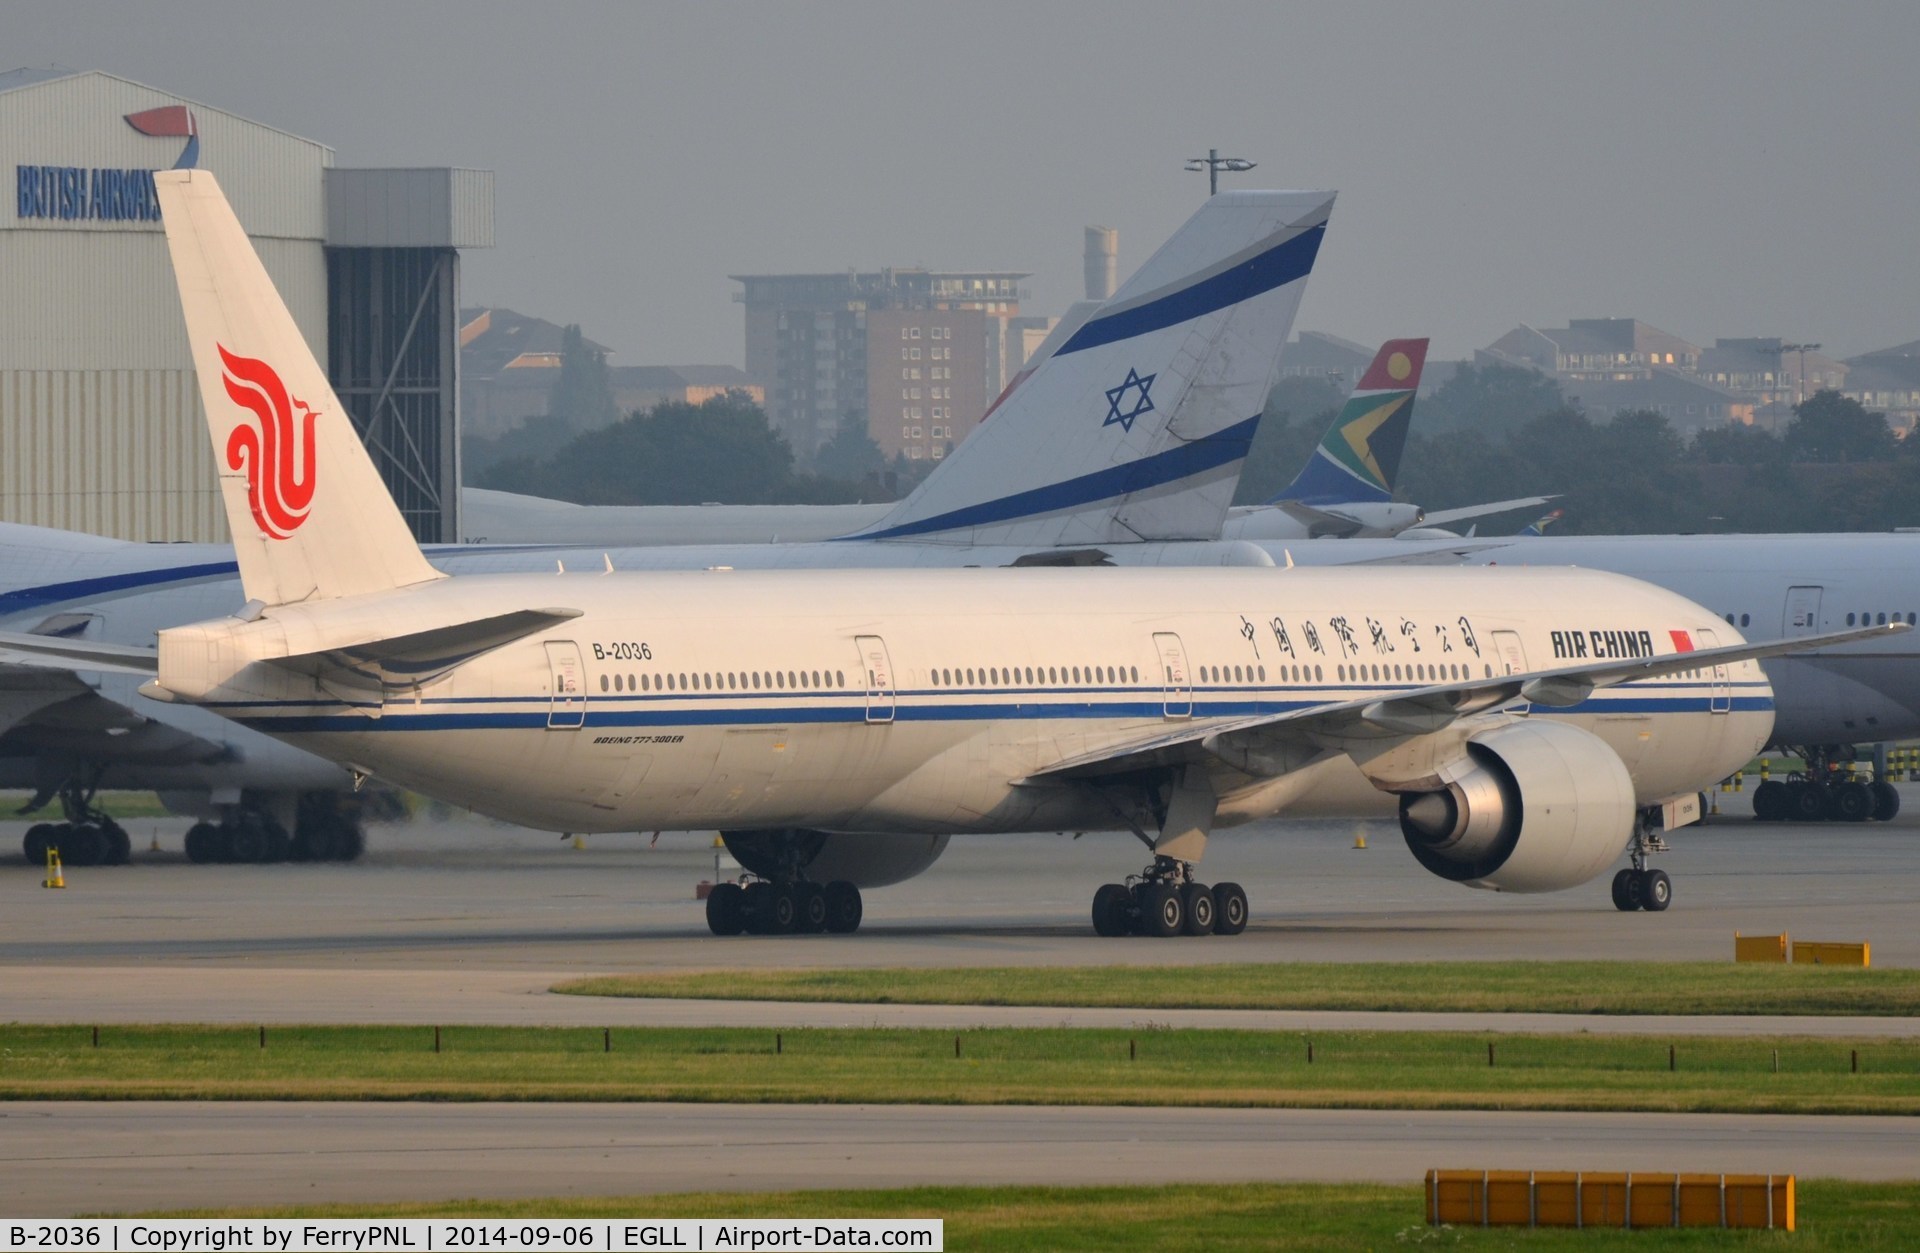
100 421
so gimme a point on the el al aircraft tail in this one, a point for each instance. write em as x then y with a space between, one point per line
1359 458
1137 426
310 516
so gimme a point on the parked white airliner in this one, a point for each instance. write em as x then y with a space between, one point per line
889 710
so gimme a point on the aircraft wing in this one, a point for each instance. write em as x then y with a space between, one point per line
48 710
1274 744
1440 517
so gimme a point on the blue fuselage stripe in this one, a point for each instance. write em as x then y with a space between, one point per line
1185 461
1276 267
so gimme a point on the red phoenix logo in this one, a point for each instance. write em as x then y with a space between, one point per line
277 456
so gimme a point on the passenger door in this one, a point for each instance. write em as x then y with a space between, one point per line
567 710
879 671
1720 694
1508 651
1802 615
1177 699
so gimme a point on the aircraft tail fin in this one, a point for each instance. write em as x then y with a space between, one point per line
1136 426
311 517
1359 458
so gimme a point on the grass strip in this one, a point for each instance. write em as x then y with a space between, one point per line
1506 987
1019 1066
1832 1215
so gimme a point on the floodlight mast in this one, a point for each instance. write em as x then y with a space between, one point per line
1213 163
1800 375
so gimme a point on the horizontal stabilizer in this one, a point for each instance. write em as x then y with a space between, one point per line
422 656
1263 743
1441 517
54 653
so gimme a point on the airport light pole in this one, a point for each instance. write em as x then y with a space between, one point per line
1800 375
1213 163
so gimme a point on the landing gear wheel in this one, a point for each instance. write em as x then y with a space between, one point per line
38 840
1229 909
811 917
1162 913
1112 910
844 908
1656 890
758 899
1805 803
119 845
1850 802
785 902
353 842
1886 800
206 843
726 909
317 841
1626 891
82 844
1770 801
1196 902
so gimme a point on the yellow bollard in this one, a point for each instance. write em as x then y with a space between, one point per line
56 877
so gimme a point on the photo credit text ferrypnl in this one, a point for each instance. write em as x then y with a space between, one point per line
423 1235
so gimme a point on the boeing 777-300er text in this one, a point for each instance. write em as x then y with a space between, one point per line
881 712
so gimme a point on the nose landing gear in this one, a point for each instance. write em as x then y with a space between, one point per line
1639 887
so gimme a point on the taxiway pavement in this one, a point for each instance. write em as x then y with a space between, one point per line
59 1158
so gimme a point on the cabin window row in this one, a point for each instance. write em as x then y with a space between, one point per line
996 676
1881 619
727 681
1423 673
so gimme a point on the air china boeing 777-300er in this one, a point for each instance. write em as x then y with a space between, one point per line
888 710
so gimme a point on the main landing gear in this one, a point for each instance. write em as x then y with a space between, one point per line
88 837
250 835
1163 901
1826 791
1640 887
784 907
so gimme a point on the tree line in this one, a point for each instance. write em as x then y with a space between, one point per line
1495 433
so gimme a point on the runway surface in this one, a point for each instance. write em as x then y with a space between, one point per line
58 1159
136 994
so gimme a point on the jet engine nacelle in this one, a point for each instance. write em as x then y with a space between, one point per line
1536 806
866 861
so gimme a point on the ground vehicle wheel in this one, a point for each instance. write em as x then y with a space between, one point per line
1770 801
1886 801
757 897
1656 890
119 844
1196 902
205 843
1229 909
1626 891
1806 802
726 909
38 839
844 907
1162 913
811 917
1112 910
1850 802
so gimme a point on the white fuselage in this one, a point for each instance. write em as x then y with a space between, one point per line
919 701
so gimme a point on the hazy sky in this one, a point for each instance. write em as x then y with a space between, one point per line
1713 168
